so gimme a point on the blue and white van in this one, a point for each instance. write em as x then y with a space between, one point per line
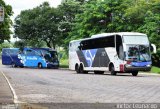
30 57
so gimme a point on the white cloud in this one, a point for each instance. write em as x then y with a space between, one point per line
19 5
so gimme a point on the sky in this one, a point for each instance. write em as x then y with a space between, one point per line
19 5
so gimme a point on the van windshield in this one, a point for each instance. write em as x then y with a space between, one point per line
138 53
51 56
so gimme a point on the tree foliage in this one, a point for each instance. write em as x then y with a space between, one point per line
75 19
39 24
6 24
5 45
118 16
69 9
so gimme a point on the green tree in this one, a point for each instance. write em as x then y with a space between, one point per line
69 9
99 16
39 24
151 25
118 16
5 45
6 24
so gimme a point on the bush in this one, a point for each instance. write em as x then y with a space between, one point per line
5 45
63 58
156 59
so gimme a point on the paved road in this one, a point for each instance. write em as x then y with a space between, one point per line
51 85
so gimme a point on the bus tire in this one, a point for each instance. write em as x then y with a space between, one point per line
113 72
77 68
98 72
40 65
81 69
135 73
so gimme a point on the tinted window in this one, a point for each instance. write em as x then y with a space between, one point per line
30 52
98 43
10 51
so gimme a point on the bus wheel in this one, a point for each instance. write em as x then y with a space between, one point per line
81 70
135 73
113 72
77 68
40 65
98 72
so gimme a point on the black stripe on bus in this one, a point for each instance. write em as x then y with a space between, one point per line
101 58
82 58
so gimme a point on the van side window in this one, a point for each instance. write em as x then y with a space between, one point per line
30 52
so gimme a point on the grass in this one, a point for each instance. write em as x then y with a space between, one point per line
155 69
64 63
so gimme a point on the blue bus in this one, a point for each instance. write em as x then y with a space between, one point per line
30 57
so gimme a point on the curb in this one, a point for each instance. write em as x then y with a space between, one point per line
155 74
15 98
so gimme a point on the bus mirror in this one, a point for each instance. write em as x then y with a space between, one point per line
153 48
79 47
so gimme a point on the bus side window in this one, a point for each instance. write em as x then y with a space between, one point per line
80 46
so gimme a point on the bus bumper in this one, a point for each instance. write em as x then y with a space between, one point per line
132 68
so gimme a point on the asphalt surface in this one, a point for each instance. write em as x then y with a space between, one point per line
6 95
64 86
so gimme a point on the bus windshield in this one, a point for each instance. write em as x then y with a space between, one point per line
135 39
138 53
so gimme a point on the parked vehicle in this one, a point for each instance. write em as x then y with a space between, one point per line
124 52
30 57
10 57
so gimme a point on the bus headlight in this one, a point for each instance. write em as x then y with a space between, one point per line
128 65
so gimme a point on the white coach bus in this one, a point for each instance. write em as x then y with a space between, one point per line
124 52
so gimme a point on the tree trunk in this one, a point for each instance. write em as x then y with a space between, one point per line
48 44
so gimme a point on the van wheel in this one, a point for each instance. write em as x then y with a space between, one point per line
113 72
81 70
40 65
98 72
13 65
21 66
135 73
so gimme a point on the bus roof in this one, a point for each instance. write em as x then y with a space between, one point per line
109 34
118 33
